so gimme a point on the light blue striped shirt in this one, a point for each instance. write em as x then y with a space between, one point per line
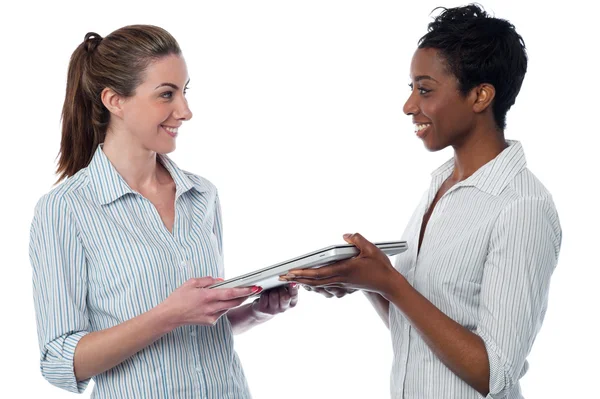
489 249
101 255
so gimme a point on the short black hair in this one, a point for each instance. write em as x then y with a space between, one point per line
479 49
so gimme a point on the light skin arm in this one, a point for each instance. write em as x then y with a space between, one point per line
270 303
461 350
190 304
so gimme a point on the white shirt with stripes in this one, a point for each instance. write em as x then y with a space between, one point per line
101 255
487 255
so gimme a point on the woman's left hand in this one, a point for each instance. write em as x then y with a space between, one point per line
277 300
370 270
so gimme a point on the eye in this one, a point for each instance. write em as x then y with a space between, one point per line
422 91
167 95
185 89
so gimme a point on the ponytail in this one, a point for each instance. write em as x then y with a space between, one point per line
80 135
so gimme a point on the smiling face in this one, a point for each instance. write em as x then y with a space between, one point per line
441 114
152 116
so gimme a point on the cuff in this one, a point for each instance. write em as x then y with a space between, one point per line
57 363
500 380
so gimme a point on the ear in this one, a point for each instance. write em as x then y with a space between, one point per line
112 101
484 95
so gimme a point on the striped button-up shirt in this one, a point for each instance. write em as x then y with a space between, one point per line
487 255
101 255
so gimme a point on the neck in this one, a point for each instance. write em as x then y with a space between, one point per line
477 149
138 166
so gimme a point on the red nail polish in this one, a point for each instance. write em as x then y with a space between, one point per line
294 285
256 289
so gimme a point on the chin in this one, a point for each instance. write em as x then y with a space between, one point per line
434 147
163 148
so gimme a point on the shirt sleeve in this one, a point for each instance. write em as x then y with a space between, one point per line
59 289
524 249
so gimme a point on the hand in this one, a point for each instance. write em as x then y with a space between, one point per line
194 303
329 291
370 270
276 300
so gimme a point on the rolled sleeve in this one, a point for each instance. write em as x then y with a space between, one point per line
524 249
59 289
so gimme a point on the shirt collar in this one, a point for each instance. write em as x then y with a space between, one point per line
110 185
494 175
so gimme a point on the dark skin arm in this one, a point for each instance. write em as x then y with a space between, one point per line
461 350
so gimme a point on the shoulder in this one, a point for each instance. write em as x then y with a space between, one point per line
526 185
57 201
529 205
526 191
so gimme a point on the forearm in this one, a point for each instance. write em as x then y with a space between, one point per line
245 317
102 350
461 350
381 305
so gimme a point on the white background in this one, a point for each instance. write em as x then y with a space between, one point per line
298 121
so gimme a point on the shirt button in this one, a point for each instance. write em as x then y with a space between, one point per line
199 369
192 332
183 265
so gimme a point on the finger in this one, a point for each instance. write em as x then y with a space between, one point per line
264 301
224 294
321 282
294 294
324 272
218 315
360 242
221 306
202 282
323 292
274 299
337 292
284 297
293 289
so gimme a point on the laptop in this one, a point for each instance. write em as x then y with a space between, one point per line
268 277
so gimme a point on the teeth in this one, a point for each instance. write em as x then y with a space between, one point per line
171 129
418 128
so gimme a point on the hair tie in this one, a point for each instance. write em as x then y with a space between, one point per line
91 41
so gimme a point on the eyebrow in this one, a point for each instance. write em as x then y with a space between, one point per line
172 85
424 77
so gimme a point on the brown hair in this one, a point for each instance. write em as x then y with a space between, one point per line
118 62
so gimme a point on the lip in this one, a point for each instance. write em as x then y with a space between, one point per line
423 132
168 132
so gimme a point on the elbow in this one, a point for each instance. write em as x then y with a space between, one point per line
483 389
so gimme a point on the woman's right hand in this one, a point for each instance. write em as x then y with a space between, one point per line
329 292
194 303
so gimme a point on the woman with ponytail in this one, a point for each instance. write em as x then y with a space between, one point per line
123 250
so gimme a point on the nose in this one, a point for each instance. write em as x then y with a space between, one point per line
410 106
183 112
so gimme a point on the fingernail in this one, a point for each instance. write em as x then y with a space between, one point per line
220 279
256 289
289 275
293 285
347 235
